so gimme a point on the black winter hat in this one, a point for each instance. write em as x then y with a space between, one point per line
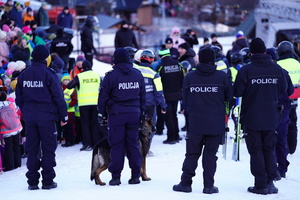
257 46
207 55
185 46
86 64
40 52
189 31
121 55
213 35
169 40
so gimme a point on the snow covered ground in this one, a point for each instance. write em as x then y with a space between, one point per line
73 175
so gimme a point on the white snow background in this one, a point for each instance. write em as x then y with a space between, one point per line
73 174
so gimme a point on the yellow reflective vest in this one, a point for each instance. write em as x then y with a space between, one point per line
221 66
293 67
67 96
89 82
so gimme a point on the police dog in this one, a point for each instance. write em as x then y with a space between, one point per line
101 154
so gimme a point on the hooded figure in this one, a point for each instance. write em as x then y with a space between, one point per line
87 42
125 37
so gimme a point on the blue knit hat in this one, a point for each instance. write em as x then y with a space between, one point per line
121 55
40 52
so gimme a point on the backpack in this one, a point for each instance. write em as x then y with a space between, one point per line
9 120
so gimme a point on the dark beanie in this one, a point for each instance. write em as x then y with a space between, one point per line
213 35
169 41
86 64
121 55
207 55
3 96
185 46
257 46
40 52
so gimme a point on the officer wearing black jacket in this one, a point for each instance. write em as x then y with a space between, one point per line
62 46
260 84
40 98
204 92
172 74
122 100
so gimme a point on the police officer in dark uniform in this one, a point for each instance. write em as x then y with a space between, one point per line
288 62
121 101
62 46
172 74
259 84
40 98
204 92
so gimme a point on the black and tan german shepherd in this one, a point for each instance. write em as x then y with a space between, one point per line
101 154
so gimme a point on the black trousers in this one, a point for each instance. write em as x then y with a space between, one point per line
12 155
261 147
194 147
172 121
292 130
89 56
160 121
89 125
41 143
281 145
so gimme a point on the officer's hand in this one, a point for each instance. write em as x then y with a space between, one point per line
102 120
63 123
163 111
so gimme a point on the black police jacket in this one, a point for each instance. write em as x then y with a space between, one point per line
204 93
260 84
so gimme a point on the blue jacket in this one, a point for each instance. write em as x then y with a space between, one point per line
122 91
153 85
259 84
17 17
39 94
65 20
204 92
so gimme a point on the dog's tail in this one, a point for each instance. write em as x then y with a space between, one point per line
96 160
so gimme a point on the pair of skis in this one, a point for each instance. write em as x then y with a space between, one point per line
238 132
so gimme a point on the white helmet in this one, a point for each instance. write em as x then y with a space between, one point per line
137 55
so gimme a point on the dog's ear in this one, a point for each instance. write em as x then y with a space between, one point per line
150 122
